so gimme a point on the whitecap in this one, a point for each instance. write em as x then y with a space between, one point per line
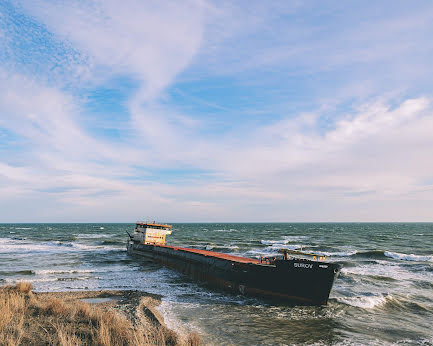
92 235
337 254
22 246
390 270
273 242
23 228
284 241
14 280
364 302
231 247
63 271
291 238
405 257
92 247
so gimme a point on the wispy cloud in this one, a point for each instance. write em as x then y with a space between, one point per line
224 111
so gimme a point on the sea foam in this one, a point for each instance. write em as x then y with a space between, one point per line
364 302
338 253
411 257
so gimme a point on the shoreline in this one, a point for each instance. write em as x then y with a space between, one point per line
127 302
103 317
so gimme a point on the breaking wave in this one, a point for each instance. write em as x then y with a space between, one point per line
284 241
365 302
337 254
222 248
381 254
405 257
63 271
20 272
23 245
92 236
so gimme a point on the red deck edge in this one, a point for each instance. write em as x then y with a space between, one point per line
215 254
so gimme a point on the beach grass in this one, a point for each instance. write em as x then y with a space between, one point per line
28 319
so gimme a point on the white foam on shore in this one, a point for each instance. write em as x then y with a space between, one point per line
411 257
364 302
171 319
46 279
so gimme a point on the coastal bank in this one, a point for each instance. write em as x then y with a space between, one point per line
106 317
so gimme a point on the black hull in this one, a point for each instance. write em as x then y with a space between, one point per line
294 281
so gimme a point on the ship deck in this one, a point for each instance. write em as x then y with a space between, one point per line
214 254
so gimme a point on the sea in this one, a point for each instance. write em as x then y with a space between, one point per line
383 295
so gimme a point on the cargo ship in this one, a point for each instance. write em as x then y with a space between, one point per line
294 277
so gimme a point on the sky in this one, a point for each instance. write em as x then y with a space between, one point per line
201 111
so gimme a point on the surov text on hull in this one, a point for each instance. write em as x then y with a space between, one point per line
295 277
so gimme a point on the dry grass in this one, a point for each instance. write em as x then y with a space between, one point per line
26 319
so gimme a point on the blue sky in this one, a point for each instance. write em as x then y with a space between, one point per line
216 111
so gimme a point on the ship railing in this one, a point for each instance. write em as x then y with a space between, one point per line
309 255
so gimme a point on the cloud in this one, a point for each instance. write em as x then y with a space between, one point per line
150 41
377 148
361 154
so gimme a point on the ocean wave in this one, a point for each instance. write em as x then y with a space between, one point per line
273 242
14 280
221 247
411 257
365 302
284 241
8 245
25 228
374 254
386 269
112 242
63 271
277 247
19 272
337 254
381 254
78 278
92 235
